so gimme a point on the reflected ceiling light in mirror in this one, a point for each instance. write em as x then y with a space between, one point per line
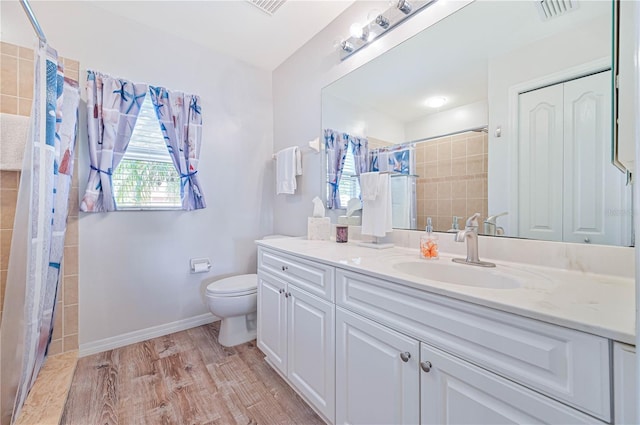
379 23
436 102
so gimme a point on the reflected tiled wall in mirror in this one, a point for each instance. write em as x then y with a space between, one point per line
452 179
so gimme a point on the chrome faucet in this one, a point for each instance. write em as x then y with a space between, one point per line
490 226
470 235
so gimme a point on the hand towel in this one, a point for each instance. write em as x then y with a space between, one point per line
377 214
288 166
14 130
369 186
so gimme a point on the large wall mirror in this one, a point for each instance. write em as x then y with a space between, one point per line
495 109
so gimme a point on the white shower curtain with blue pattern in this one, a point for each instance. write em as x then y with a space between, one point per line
39 229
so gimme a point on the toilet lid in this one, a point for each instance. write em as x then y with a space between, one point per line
235 285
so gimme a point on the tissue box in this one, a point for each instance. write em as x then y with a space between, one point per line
318 228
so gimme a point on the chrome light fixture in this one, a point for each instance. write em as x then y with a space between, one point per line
382 21
404 6
361 36
347 47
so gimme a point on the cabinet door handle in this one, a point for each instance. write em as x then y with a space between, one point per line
285 268
281 291
426 366
405 356
288 294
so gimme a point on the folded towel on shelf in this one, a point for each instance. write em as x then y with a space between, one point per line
369 186
14 130
288 166
377 213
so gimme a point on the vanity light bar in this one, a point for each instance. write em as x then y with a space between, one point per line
393 16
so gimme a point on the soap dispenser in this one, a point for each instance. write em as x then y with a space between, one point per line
429 243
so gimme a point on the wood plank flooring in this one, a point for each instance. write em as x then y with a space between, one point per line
182 378
47 397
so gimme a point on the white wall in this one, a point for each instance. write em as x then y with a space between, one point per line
543 58
341 115
133 267
297 84
464 117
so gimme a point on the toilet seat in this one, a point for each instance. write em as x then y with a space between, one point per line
234 286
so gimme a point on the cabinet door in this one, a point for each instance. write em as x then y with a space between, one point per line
540 164
625 393
374 385
311 352
454 391
272 317
596 199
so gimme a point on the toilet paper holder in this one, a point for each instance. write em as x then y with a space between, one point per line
200 265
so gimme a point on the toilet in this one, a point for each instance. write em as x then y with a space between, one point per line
234 300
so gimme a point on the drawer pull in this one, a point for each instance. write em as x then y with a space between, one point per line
405 356
426 366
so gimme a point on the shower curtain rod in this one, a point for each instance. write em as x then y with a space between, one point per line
34 21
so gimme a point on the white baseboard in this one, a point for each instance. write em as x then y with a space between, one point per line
144 334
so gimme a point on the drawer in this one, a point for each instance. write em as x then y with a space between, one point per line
457 392
313 277
568 365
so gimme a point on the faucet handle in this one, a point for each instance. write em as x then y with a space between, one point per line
473 221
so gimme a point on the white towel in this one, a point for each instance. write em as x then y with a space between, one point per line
288 166
369 185
377 214
14 130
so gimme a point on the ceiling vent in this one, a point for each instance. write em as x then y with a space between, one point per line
551 8
267 6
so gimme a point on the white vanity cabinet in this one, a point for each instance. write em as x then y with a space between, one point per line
367 350
376 378
624 384
492 365
296 330
454 391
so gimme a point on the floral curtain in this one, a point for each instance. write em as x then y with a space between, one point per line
360 150
113 105
336 145
180 117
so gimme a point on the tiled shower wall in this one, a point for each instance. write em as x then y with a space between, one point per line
453 179
16 93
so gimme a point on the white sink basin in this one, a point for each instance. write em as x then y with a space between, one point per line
459 274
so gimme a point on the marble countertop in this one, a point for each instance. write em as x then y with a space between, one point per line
598 304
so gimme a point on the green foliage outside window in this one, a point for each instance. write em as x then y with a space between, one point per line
146 184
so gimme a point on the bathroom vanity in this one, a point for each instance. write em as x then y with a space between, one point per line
381 336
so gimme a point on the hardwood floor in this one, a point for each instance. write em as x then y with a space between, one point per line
182 378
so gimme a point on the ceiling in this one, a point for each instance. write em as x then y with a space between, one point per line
235 27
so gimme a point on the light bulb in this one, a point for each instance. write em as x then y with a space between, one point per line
355 30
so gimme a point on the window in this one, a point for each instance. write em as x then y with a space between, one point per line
349 186
146 177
